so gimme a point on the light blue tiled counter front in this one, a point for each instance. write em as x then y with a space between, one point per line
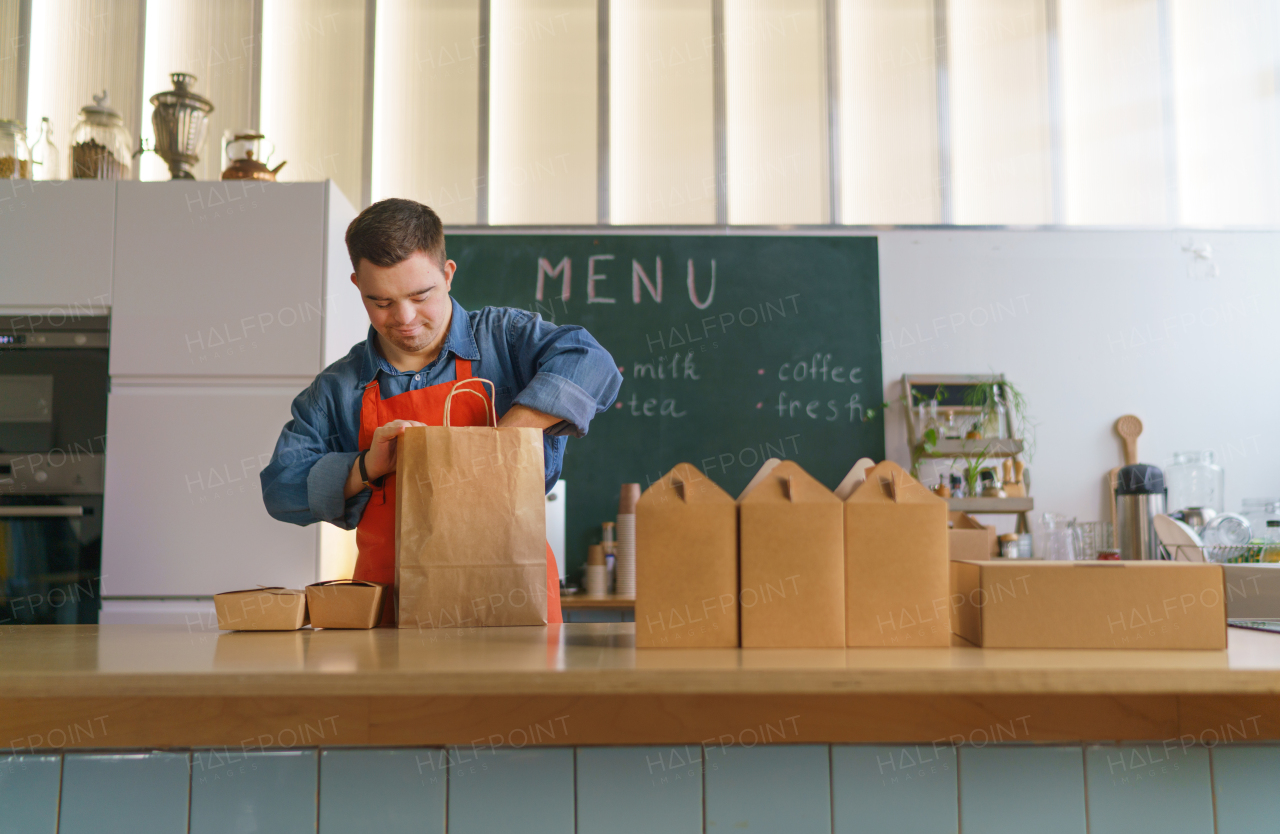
1159 786
29 794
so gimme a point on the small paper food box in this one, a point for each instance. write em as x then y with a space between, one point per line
791 540
345 603
261 609
897 586
970 539
686 563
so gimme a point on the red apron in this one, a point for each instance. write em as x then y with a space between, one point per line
376 533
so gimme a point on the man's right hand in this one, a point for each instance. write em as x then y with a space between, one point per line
381 459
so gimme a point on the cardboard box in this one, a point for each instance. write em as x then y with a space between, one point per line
1090 605
345 603
261 609
970 540
895 543
1253 591
686 563
791 546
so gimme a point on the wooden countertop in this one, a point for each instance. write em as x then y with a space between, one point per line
581 658
482 676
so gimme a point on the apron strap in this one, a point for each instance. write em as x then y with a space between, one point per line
369 412
461 367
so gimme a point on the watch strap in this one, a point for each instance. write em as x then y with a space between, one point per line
364 473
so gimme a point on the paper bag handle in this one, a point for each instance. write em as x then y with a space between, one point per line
492 411
344 582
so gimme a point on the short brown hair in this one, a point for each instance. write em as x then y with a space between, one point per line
389 231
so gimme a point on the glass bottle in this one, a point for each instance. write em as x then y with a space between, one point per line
1264 517
15 155
931 421
44 154
951 429
995 424
1194 480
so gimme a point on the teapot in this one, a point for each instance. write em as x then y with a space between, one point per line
244 157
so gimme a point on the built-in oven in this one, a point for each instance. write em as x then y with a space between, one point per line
53 433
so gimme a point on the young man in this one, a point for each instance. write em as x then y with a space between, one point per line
333 456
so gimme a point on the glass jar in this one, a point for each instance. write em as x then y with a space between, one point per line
101 148
1194 480
15 155
1264 517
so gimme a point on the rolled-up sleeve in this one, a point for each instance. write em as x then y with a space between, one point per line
305 480
570 375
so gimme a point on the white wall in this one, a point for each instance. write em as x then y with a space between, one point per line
1092 325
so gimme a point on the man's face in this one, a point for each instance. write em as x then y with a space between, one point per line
408 303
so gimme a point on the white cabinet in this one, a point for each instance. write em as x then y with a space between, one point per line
183 512
55 240
219 279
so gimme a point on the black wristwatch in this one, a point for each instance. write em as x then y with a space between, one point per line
364 474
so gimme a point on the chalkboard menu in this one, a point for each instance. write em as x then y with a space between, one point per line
733 349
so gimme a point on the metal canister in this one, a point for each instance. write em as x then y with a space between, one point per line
1140 497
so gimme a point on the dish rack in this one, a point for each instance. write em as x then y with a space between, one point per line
1223 554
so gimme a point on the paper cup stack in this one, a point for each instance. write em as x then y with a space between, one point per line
597 572
625 565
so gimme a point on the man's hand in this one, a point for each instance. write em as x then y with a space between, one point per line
381 459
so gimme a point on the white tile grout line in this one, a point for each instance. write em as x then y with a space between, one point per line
704 788
191 774
1213 788
57 812
319 772
959 817
831 783
1084 774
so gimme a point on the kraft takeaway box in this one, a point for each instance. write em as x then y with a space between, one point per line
261 609
345 603
895 546
791 550
686 563
969 539
1090 605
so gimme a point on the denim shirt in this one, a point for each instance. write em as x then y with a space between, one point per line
561 371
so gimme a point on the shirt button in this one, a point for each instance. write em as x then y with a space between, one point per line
417 376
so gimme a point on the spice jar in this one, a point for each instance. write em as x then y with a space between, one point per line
15 155
1009 546
101 148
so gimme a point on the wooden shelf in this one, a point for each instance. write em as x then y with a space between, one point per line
991 505
582 602
989 446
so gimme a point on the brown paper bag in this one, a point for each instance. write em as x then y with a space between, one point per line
686 563
897 581
471 538
791 539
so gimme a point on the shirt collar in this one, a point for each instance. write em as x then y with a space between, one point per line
459 341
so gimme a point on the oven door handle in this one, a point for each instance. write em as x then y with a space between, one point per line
41 512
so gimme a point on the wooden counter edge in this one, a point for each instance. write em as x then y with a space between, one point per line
235 723
657 683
